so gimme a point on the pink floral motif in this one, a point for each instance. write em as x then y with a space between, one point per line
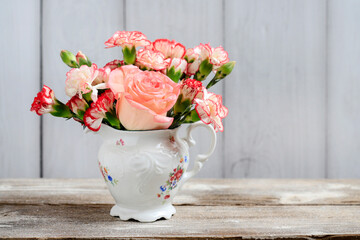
210 109
44 101
97 112
174 178
120 142
79 80
170 49
151 59
114 64
127 39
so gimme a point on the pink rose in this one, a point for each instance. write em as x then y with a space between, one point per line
44 101
127 39
79 80
151 59
144 97
210 109
170 49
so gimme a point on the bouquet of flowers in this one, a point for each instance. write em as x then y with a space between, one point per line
157 85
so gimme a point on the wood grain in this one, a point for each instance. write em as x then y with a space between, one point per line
52 209
190 23
204 192
343 89
276 94
74 25
19 83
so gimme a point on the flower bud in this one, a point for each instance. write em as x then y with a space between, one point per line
129 54
176 69
69 58
82 59
224 70
204 70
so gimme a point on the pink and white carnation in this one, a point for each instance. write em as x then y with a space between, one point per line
179 64
143 97
79 80
97 112
210 109
127 39
114 64
44 101
218 57
170 49
151 59
77 104
102 77
195 56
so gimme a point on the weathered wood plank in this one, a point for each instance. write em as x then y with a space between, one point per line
343 89
190 23
196 222
196 192
19 83
74 25
276 94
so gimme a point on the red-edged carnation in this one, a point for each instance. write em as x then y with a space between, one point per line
190 88
77 105
127 39
44 101
151 59
97 112
170 49
114 64
210 109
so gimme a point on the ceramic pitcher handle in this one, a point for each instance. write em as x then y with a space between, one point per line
200 158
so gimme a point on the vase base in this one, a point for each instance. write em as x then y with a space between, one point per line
150 215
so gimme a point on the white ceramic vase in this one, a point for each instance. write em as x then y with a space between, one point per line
144 169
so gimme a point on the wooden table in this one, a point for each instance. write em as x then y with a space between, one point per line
206 209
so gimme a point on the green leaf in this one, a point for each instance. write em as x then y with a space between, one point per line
113 120
193 117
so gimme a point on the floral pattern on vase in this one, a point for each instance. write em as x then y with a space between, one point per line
174 178
107 177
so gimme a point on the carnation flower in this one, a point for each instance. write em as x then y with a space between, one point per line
79 80
151 59
77 105
127 39
102 77
170 49
97 112
44 101
218 57
210 109
114 64
190 88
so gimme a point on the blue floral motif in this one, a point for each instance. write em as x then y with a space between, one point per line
163 188
110 178
186 158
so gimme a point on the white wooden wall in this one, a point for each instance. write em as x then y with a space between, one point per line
294 96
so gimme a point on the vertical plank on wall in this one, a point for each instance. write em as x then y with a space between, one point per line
74 25
276 95
190 23
344 89
19 83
